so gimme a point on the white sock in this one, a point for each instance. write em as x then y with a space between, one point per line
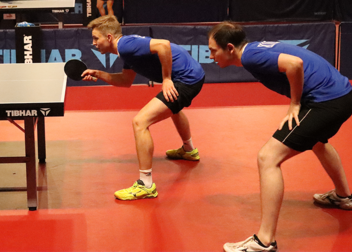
188 145
146 177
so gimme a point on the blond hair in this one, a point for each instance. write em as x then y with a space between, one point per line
106 24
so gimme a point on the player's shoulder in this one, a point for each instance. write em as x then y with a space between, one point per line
250 51
261 46
255 52
134 38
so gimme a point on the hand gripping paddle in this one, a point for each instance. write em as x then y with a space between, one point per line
74 69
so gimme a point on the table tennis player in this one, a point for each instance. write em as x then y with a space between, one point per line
320 102
159 60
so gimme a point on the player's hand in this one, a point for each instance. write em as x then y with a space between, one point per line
292 114
169 90
90 75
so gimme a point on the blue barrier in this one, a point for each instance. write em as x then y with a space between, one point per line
61 45
317 37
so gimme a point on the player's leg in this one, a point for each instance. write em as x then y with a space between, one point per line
144 187
333 114
269 160
186 94
151 113
100 7
283 145
270 157
109 7
187 150
330 160
182 125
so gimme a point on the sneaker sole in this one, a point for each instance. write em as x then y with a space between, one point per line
179 158
145 197
329 205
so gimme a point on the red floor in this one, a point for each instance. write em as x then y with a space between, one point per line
134 98
201 205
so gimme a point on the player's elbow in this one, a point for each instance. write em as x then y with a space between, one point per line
160 46
289 63
167 46
123 83
167 43
126 82
298 63
294 67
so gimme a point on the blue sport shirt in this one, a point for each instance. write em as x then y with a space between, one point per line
134 50
322 82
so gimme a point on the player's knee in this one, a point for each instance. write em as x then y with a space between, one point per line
264 159
138 123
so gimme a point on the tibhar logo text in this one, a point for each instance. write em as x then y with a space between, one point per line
89 8
200 53
14 113
28 58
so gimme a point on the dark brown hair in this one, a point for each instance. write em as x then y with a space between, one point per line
228 32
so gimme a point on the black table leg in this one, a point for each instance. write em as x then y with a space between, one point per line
41 139
31 174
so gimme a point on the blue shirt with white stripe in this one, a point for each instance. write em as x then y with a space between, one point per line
322 81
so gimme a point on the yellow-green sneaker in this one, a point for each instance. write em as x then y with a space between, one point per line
137 191
182 154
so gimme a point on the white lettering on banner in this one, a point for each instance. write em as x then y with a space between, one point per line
9 55
14 113
59 11
28 58
200 53
89 8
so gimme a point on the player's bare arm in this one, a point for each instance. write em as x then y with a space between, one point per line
123 79
163 49
293 67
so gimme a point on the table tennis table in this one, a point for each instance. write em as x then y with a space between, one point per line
31 92
36 4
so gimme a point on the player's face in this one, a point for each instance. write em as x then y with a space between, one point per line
100 41
221 57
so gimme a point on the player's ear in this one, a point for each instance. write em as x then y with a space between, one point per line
230 47
109 37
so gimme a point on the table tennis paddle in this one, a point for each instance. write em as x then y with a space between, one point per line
74 69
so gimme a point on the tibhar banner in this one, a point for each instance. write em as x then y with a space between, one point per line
65 44
28 44
317 37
